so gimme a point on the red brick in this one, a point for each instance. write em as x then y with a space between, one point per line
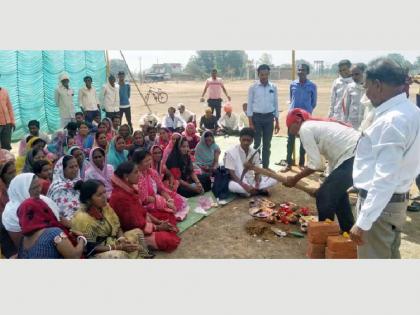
329 254
319 231
341 244
315 251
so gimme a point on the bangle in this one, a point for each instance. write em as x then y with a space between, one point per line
81 237
110 248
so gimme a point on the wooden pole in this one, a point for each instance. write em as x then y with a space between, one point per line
134 81
107 64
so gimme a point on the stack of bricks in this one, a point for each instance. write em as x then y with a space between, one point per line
318 233
340 247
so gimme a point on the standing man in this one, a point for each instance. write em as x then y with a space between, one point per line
262 111
110 98
303 94
386 162
215 86
64 100
88 100
125 93
7 120
336 142
338 88
353 108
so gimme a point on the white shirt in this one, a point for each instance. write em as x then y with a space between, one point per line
387 156
229 122
243 120
64 100
186 115
110 98
337 92
368 113
235 158
88 99
354 109
174 123
331 140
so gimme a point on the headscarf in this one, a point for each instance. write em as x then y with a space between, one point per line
103 175
204 154
169 148
20 161
115 158
63 76
163 143
157 165
189 135
29 162
18 192
110 132
176 160
57 143
62 192
85 164
136 146
298 114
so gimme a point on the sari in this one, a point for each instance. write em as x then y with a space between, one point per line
85 163
150 185
163 143
104 175
110 133
204 154
21 159
84 143
62 192
115 158
104 231
191 136
160 167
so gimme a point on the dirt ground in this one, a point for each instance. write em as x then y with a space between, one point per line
223 234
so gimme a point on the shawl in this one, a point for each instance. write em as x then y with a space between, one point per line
204 154
115 158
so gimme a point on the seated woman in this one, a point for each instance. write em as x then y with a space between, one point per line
44 237
80 157
208 122
125 132
164 138
62 192
160 235
33 156
190 134
100 170
117 153
101 141
180 165
151 138
84 139
97 221
110 133
174 137
160 167
22 187
139 141
32 143
43 170
207 153
154 196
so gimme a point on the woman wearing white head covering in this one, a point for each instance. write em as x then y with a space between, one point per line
61 191
64 99
19 191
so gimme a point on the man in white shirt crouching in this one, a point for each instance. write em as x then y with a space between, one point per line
386 162
251 183
336 142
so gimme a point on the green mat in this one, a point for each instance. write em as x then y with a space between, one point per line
278 152
193 217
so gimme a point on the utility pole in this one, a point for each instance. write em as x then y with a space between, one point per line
141 72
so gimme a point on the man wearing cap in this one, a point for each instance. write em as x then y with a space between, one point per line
64 100
125 93
215 87
7 120
263 111
88 100
229 121
336 142
386 162
110 98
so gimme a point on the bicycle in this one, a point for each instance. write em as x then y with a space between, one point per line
158 95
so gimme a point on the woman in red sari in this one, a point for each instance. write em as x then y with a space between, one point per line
159 234
160 201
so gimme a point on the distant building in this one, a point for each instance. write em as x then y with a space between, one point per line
163 71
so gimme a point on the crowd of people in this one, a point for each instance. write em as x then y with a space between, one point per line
99 189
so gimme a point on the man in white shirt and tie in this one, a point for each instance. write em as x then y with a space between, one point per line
336 142
386 162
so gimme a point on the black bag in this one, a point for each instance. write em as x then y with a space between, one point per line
220 187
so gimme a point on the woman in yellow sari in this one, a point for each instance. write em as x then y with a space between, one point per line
32 143
98 222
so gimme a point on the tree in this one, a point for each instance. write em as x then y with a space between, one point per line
266 59
195 69
117 65
416 64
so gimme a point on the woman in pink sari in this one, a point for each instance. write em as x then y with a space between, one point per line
190 134
99 169
167 178
164 138
160 201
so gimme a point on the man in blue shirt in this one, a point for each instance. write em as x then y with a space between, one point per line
262 111
303 94
125 92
